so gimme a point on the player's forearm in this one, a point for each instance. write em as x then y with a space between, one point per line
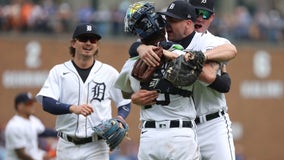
221 53
222 83
124 110
52 106
133 49
21 154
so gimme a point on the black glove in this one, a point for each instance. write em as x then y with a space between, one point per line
184 70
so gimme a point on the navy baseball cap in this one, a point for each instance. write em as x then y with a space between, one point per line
180 10
24 97
86 29
207 5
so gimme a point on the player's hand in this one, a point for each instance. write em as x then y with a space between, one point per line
83 109
169 55
209 72
144 97
147 54
224 68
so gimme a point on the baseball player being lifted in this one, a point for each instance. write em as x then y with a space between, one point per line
80 92
220 83
167 131
213 123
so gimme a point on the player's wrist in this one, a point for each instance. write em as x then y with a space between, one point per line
206 57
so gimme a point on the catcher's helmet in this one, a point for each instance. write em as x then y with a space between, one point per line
141 19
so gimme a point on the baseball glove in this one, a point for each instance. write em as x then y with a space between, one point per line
111 131
141 71
184 70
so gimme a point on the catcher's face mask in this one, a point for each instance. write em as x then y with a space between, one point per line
142 20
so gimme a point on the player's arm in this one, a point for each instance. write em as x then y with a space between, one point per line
21 154
146 53
144 97
221 53
123 111
220 83
57 108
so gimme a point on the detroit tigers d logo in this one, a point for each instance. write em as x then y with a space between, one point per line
98 91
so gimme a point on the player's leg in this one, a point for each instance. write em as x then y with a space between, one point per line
92 150
170 143
216 140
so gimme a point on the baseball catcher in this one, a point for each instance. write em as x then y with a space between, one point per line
184 70
112 130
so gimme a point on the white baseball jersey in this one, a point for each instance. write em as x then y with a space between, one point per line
207 100
178 108
214 136
23 133
65 85
164 142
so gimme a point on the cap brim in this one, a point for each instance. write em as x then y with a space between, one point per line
90 34
170 15
204 8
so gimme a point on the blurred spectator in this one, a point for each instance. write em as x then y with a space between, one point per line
242 22
64 15
276 26
26 12
102 19
85 13
52 16
117 19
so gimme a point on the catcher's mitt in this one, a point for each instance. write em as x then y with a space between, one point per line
111 131
141 71
184 70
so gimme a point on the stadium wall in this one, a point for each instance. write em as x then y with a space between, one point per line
255 100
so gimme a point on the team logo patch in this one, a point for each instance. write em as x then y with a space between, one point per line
98 91
89 28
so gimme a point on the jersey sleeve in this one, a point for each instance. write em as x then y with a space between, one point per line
213 41
116 93
51 87
123 81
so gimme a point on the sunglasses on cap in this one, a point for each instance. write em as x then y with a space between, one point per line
85 39
204 13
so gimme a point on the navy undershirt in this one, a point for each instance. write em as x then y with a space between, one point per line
84 73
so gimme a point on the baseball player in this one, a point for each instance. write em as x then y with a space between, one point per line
220 83
213 123
167 131
80 92
21 132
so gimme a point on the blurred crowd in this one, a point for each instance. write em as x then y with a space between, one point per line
46 16
241 24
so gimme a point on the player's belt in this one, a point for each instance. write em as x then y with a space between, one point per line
209 117
168 124
76 140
